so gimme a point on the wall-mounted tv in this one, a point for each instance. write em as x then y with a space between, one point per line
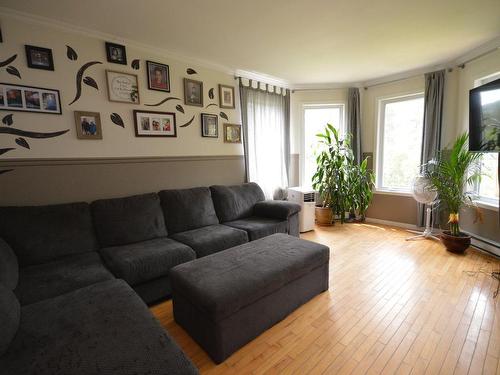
484 118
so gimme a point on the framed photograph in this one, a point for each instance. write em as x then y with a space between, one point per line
155 124
88 125
39 58
232 133
158 76
193 92
122 87
209 125
29 99
226 96
116 53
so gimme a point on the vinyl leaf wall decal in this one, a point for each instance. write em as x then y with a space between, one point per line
224 116
8 61
30 134
117 119
187 123
13 70
5 150
191 71
79 77
23 143
90 82
211 104
211 93
71 53
135 64
179 108
163 101
7 120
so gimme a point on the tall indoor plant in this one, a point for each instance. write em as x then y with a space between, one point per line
361 182
450 175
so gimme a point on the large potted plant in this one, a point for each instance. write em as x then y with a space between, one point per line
330 179
450 175
361 182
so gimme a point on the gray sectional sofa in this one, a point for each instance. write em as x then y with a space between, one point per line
71 274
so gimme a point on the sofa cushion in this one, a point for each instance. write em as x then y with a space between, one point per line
223 283
211 239
147 260
276 209
258 227
9 268
61 276
9 317
39 234
121 221
104 328
235 202
187 209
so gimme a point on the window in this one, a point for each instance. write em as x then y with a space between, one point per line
316 116
399 142
487 189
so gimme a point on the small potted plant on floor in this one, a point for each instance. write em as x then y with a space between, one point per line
330 177
449 176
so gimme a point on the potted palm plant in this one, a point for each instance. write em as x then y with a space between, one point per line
449 176
361 182
330 177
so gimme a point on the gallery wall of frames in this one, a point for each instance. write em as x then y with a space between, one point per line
78 94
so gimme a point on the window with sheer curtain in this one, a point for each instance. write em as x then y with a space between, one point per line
266 139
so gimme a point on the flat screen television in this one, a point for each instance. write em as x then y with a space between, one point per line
484 118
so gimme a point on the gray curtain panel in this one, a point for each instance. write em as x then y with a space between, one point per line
354 121
433 116
244 124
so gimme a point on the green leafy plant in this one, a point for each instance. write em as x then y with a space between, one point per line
343 185
450 175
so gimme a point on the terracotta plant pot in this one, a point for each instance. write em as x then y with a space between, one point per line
324 216
455 244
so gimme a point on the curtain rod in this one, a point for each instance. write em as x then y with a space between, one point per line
283 90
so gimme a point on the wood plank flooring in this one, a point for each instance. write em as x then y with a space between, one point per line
393 307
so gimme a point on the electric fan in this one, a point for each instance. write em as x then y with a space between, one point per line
422 193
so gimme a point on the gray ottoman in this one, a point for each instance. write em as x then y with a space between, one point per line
228 298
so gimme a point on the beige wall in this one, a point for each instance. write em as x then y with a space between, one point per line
117 142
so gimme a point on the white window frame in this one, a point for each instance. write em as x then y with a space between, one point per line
316 105
481 201
379 142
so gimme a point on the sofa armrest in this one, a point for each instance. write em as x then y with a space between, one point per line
276 209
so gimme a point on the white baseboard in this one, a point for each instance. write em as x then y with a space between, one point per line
393 223
477 241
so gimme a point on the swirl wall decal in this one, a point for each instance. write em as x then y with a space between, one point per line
5 150
30 134
79 77
187 123
211 104
5 171
163 101
8 61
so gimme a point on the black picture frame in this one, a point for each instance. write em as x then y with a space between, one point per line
195 98
151 116
39 57
116 53
204 125
35 104
154 66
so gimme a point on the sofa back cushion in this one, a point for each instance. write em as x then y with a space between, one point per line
235 202
39 234
122 221
10 316
9 268
186 209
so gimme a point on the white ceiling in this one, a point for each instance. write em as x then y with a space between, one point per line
300 41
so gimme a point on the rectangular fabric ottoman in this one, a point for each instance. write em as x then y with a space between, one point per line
228 298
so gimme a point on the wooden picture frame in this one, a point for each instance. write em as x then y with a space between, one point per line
232 133
209 125
158 76
122 87
29 99
88 125
193 92
226 97
39 57
154 124
116 53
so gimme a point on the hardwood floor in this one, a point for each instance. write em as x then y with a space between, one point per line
393 307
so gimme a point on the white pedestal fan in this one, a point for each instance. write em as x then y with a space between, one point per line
423 194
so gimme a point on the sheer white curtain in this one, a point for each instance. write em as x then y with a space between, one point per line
265 129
